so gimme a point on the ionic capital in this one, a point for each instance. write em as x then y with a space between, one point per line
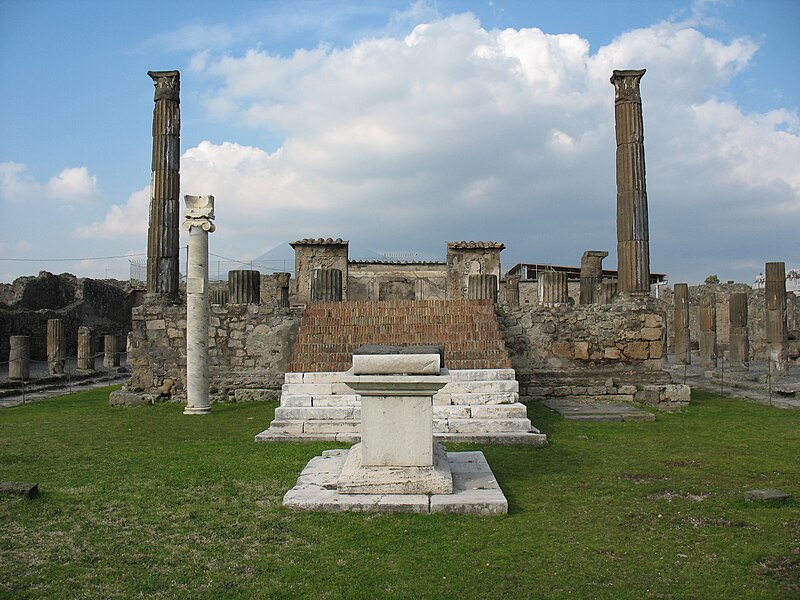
168 85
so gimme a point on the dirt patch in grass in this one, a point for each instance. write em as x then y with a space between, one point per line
670 496
695 521
682 463
639 478
783 569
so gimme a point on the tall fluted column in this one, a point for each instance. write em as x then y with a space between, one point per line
740 340
163 230
708 331
55 346
683 346
633 237
199 214
591 274
775 273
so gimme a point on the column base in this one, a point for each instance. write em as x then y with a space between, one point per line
197 410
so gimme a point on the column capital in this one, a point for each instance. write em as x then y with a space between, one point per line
199 213
626 84
168 85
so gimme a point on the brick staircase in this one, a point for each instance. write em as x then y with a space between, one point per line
331 331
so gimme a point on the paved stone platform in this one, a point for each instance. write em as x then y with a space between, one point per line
597 411
475 490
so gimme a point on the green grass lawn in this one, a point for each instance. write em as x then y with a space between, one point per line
146 502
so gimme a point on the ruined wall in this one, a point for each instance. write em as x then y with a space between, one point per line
625 334
312 254
249 350
529 292
30 301
470 258
399 281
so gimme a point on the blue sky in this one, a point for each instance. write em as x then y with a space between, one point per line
403 125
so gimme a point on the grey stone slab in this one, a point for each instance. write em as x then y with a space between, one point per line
597 411
19 488
766 495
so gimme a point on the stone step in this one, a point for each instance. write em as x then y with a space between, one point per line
303 413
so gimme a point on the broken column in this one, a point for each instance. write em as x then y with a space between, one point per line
775 290
326 285
708 331
591 274
163 232
633 245
739 339
199 216
606 292
553 289
244 286
19 357
312 254
55 346
111 351
85 350
512 290
482 287
282 285
465 259
683 347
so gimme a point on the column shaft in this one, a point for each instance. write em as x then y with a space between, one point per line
85 350
708 331
55 346
775 291
19 358
683 347
739 339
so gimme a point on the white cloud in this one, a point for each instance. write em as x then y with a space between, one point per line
454 131
122 221
71 185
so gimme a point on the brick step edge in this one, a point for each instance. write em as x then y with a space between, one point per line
537 440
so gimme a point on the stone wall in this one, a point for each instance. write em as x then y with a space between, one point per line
396 281
625 334
529 292
29 302
249 350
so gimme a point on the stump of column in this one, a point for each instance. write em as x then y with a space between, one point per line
553 289
482 287
326 285
708 331
85 351
163 229
512 290
219 296
605 292
19 358
244 287
111 351
199 214
633 237
591 274
739 339
683 347
56 354
775 291
282 284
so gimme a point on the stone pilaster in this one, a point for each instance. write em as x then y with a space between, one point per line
553 288
85 350
591 274
163 231
111 351
244 287
683 346
19 357
739 338
708 331
56 354
482 287
775 290
199 217
633 237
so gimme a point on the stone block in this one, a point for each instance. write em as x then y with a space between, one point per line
562 390
397 431
327 377
481 374
332 426
499 398
653 320
314 389
441 426
360 478
637 350
337 400
123 398
582 350
649 395
766 495
396 364
293 378
650 334
627 389
500 411
314 412
677 392
296 400
489 425
285 426
461 411
656 350
19 488
481 387
441 399
156 325
612 353
561 349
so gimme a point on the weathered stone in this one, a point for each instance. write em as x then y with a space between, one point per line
708 331
19 488
85 349
56 347
591 274
553 289
775 292
682 340
739 337
766 495
19 358
411 364
244 286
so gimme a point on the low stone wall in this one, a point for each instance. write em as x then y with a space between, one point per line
625 334
249 349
